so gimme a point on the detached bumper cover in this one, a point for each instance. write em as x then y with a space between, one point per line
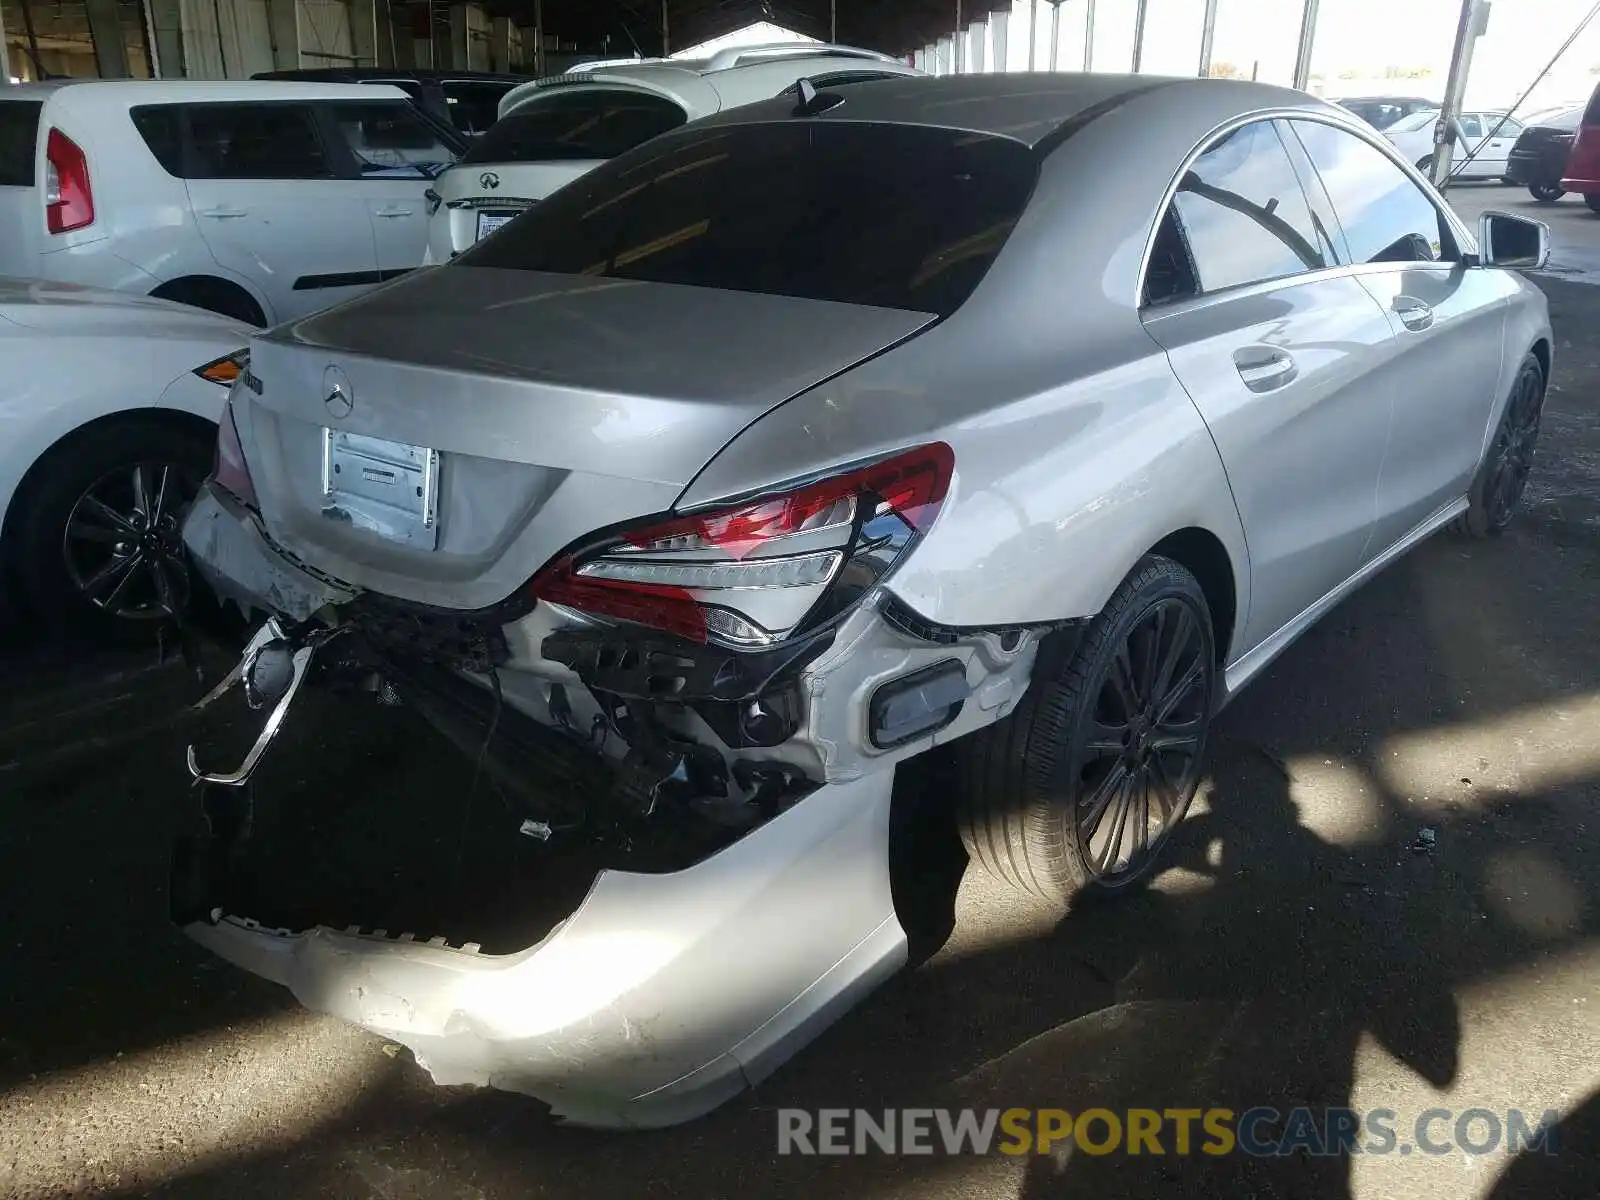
233 556
661 997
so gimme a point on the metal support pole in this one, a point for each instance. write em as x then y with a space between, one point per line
833 21
1033 31
33 41
1055 31
958 59
538 37
1140 11
1208 27
666 36
1470 26
5 57
1088 35
1308 38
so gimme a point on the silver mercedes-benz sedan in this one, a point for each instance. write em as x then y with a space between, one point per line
1031 415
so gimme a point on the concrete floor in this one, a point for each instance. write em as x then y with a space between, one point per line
1307 947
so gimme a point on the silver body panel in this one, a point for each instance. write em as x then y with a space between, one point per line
1085 432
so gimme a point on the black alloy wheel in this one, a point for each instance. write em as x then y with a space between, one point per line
123 544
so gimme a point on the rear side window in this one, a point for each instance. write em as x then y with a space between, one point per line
1570 119
255 141
161 127
1591 114
566 126
1244 215
1386 217
19 141
474 106
897 216
390 140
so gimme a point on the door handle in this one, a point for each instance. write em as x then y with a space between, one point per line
223 214
1264 368
1413 313
391 212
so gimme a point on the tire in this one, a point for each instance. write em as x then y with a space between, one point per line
220 296
1502 477
1592 199
1545 193
1029 785
110 581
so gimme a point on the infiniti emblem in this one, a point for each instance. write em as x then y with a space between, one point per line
489 180
337 394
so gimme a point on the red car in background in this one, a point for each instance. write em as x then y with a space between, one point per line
1583 164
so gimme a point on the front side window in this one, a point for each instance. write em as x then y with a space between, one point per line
1471 125
895 216
1386 217
1243 214
255 141
575 126
390 140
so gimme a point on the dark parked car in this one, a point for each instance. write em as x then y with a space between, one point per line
1383 111
1539 158
468 100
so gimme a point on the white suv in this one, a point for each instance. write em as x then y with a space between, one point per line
554 129
261 201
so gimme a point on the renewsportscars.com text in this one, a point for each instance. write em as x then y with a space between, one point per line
1150 1131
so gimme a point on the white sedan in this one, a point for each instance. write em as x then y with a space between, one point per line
1487 136
107 428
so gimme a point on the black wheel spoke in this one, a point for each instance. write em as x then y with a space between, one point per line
1122 682
1155 630
159 505
1177 739
113 570
1105 741
1112 852
114 597
93 504
1141 828
80 530
141 492
1167 792
1100 800
1172 655
1191 678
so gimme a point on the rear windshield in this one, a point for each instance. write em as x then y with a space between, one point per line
19 141
1416 120
897 216
576 125
1570 119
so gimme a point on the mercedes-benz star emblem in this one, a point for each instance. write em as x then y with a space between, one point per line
337 395
489 180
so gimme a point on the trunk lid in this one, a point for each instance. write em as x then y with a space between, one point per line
555 405
477 198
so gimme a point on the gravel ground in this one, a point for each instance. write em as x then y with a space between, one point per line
1388 898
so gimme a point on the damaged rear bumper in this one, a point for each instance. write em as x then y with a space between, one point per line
659 998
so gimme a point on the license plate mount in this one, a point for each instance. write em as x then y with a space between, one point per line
488 222
387 488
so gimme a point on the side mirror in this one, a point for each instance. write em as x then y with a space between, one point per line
1515 242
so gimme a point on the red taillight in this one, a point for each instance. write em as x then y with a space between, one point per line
701 576
69 200
230 469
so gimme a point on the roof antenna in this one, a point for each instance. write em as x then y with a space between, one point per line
813 102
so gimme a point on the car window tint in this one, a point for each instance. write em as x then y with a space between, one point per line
566 126
161 127
19 141
255 141
409 86
390 140
1244 214
1386 217
897 216
1170 276
474 107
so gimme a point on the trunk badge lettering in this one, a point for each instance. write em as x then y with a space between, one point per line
338 397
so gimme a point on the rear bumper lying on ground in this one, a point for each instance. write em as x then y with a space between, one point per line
658 999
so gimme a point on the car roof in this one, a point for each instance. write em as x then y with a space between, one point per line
148 91
1029 108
